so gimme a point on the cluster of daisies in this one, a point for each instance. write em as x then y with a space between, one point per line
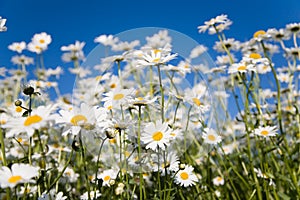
133 130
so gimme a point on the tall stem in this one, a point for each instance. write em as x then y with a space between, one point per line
162 95
139 152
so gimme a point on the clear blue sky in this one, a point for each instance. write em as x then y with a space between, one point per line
67 21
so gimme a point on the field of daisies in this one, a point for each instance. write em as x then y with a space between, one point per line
145 122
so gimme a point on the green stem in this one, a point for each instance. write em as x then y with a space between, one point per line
139 152
162 95
61 173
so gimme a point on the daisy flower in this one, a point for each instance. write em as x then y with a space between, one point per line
171 163
41 39
266 131
241 67
156 57
21 60
156 135
231 44
283 77
210 136
293 28
107 176
212 22
19 173
278 35
83 118
218 181
106 40
17 46
117 97
186 177
40 117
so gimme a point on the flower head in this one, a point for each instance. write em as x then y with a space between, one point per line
156 135
19 173
266 131
186 177
210 136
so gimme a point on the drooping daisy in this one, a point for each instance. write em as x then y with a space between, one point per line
107 176
17 46
156 135
218 181
266 131
186 177
19 173
210 136
40 117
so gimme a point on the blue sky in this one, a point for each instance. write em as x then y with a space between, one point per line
67 21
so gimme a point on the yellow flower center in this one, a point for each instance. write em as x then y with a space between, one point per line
186 66
157 136
118 96
38 48
106 178
2 121
242 68
196 101
219 179
264 132
156 51
265 67
42 41
173 134
156 60
19 109
32 120
184 176
14 179
255 55
258 33
211 137
78 118
140 98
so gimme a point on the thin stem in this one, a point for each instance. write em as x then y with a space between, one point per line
61 173
162 95
139 152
